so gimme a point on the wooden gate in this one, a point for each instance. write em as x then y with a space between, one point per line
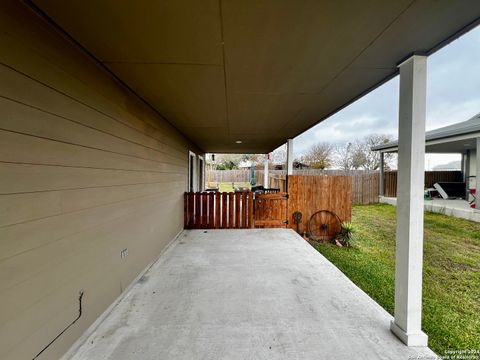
270 210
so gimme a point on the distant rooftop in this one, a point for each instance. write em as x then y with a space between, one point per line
469 126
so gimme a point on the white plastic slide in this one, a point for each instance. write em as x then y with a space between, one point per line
440 190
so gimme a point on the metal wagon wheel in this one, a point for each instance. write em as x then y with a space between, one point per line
323 225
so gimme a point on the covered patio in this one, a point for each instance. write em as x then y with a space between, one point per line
108 109
244 294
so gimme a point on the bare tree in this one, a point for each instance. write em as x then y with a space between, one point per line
349 156
318 156
279 155
359 154
343 156
372 158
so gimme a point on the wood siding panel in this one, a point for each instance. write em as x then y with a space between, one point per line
87 169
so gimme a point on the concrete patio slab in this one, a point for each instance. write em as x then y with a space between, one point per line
244 294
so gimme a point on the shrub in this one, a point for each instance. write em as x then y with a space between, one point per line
345 237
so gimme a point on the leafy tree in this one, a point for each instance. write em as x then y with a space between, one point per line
227 165
227 161
232 161
318 156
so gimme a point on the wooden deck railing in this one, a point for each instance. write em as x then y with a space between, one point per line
224 210
240 210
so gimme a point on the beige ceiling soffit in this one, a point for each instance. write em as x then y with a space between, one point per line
39 12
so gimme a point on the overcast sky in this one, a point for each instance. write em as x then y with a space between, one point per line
453 95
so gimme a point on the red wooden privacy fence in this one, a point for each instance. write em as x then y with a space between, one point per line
309 194
240 210
210 210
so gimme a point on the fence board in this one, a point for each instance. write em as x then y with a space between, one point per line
431 177
244 210
217 210
250 210
191 207
211 211
224 210
185 208
198 221
204 210
390 184
309 194
231 211
237 210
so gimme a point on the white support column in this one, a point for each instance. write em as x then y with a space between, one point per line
467 174
477 174
290 157
382 174
407 324
266 182
463 170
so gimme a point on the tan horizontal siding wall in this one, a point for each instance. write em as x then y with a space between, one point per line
86 170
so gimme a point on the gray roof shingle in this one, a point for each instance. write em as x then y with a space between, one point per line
471 125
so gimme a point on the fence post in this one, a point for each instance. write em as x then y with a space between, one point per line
289 161
185 210
265 172
382 174
250 210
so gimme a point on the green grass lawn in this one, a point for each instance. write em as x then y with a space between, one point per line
451 279
227 186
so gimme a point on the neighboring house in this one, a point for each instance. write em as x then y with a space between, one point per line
297 165
245 164
452 165
460 138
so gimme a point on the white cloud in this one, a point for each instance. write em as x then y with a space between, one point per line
446 113
453 95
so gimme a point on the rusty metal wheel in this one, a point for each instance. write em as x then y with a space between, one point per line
323 225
